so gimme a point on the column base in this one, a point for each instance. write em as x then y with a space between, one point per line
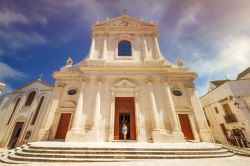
205 135
166 136
43 135
93 135
74 135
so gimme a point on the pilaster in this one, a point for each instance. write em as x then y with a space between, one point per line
157 48
104 49
92 48
75 132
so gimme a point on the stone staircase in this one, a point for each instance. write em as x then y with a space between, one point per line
110 152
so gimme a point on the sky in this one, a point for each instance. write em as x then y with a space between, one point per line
212 37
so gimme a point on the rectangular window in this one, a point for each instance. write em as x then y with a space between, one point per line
227 109
216 110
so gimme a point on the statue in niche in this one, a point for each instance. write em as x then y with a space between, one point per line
179 62
69 62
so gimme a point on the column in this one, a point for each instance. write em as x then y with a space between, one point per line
112 117
144 48
157 48
77 116
104 49
92 48
170 102
198 110
97 110
153 106
200 117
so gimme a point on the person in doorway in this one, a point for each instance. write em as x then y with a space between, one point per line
124 131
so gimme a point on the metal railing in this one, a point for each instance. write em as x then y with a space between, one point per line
235 144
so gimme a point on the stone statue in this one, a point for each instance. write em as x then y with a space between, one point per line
69 62
179 62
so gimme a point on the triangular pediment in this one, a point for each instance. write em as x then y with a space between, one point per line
124 21
35 84
125 84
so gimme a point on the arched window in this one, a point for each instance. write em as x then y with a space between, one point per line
37 111
30 98
16 104
124 48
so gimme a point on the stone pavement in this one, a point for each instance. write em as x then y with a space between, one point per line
228 161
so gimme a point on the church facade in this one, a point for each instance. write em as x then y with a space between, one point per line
125 79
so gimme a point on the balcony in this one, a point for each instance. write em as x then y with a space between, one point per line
230 118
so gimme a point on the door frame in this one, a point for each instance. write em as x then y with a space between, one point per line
20 135
132 124
123 88
69 126
191 120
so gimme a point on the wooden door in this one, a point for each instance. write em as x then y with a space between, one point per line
124 110
63 126
15 135
185 126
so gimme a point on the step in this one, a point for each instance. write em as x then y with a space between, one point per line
121 146
108 155
122 149
4 159
117 158
110 152
49 151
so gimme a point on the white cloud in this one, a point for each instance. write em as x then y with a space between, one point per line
8 17
232 55
189 17
16 39
8 72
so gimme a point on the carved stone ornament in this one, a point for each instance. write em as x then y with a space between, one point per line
179 62
69 62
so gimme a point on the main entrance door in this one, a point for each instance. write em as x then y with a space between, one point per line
15 135
63 126
124 114
185 126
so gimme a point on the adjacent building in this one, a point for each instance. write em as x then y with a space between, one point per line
227 108
21 113
124 79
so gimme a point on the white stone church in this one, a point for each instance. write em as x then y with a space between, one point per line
125 79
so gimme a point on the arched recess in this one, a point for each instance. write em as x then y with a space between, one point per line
124 48
30 98
126 91
17 102
38 108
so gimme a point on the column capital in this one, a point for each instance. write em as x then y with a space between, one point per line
59 84
149 81
100 80
84 80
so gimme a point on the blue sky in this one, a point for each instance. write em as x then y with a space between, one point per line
37 36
